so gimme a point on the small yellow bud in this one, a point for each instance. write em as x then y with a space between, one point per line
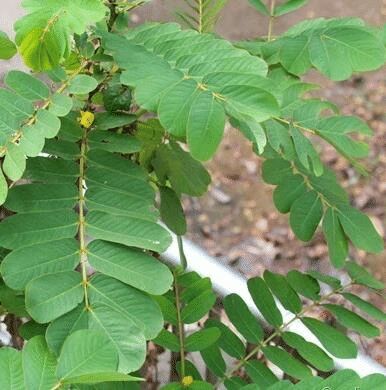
86 119
187 380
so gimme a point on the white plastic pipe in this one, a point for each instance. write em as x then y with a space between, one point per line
226 281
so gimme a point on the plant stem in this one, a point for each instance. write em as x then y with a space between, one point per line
181 330
113 15
200 16
183 261
271 19
82 235
57 386
280 330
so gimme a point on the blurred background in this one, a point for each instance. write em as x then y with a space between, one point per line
236 221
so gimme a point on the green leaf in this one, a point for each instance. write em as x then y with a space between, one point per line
43 35
294 54
114 142
38 197
228 341
128 231
287 362
46 299
42 49
334 341
63 149
214 361
283 291
374 381
327 279
234 383
127 338
306 152
52 170
306 213
32 228
202 339
108 120
26 85
11 369
12 301
361 276
131 266
105 377
260 6
276 170
14 162
171 211
7 47
354 224
133 306
193 285
190 369
288 191
19 267
3 188
279 139
353 321
168 309
185 174
264 301
241 317
30 329
289 6
245 102
175 105
205 126
304 284
79 14
336 239
60 105
116 97
47 124
309 351
82 84
39 365
198 307
338 52
81 355
254 133
366 307
260 374
348 377
59 329
336 131
168 340
32 142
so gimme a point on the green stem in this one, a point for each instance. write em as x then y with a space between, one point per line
280 330
200 16
181 330
82 233
183 261
113 15
271 19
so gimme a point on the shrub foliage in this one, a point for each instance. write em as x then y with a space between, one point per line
100 142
